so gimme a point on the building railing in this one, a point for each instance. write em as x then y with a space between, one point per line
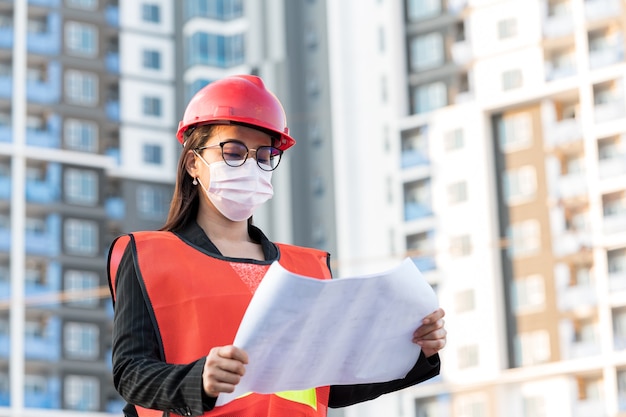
48 190
612 167
413 157
558 25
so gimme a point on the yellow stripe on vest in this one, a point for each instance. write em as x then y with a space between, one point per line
306 397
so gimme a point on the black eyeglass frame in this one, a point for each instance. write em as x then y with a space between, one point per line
273 152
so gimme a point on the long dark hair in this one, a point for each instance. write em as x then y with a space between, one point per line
185 201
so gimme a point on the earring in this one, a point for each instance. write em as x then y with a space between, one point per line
195 181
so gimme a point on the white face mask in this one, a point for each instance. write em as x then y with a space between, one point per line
237 191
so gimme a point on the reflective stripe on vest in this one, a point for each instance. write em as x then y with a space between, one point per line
195 292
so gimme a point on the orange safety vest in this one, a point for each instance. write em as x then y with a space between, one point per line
193 291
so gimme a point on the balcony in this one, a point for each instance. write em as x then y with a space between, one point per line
48 398
46 43
112 109
413 157
570 242
115 208
600 9
112 62
415 210
461 52
48 138
614 223
49 291
47 243
112 15
456 6
558 25
612 167
556 72
604 57
37 91
44 3
563 132
617 281
609 111
115 154
583 349
5 187
46 348
424 263
570 298
46 191
590 407
572 186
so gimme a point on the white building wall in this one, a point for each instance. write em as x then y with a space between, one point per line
366 214
132 46
130 13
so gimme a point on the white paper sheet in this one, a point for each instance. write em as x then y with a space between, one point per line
302 332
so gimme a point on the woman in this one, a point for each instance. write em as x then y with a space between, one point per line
181 292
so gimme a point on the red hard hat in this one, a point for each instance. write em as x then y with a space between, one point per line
240 99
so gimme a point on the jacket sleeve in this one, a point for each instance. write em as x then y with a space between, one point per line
139 373
345 395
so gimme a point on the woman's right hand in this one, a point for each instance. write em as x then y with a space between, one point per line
223 368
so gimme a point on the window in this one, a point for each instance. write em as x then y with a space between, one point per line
152 154
150 13
422 9
453 139
82 393
152 106
151 59
534 406
511 79
507 28
532 348
77 283
152 202
519 184
619 323
460 246
616 261
472 405
82 4
427 51
429 97
524 238
81 88
468 356
35 226
81 186
35 385
81 237
559 8
196 86
528 293
215 9
81 340
515 131
465 300
621 383
81 39
81 135
216 50
457 192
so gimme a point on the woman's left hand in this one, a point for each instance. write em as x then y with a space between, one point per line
431 335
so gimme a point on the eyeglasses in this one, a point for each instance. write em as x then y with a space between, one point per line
235 154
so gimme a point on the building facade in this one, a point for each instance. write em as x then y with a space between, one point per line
490 139
91 92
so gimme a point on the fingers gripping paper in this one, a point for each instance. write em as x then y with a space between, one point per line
302 332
